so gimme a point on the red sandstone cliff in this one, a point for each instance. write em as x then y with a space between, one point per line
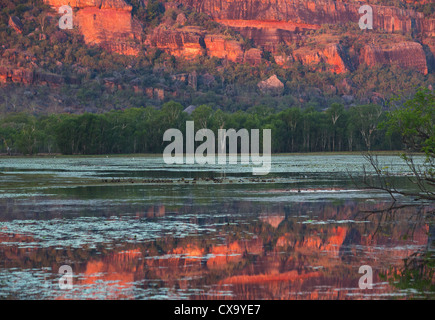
108 23
309 12
189 42
184 42
405 54
218 46
100 4
287 21
333 56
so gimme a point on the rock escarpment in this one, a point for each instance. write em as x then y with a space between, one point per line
405 55
29 76
313 12
100 4
185 42
333 56
271 23
190 42
108 23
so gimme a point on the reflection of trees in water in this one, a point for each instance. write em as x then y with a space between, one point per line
347 254
417 273
276 244
395 219
418 268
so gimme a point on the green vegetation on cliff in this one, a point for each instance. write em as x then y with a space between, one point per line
86 78
140 130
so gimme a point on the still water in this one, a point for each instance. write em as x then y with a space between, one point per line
136 228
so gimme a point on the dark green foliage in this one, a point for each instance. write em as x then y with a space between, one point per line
140 130
415 122
154 11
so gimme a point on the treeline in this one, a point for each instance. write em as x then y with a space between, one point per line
140 130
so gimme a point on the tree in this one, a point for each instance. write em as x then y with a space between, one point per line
202 116
366 119
415 122
334 113
172 112
154 10
309 127
292 117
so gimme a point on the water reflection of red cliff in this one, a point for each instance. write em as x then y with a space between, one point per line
263 278
283 258
233 252
112 277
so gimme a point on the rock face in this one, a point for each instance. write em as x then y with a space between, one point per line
27 76
269 34
16 75
100 4
405 54
187 43
429 27
268 23
333 56
16 24
218 46
181 19
108 23
272 85
253 56
313 12
271 23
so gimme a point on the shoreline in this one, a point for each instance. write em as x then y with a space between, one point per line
153 155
